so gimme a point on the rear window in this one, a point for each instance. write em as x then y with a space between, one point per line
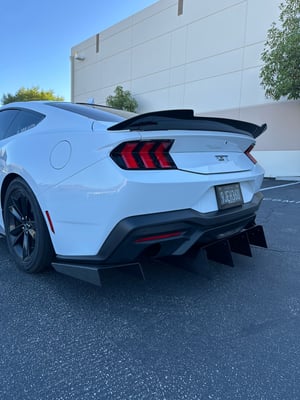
92 111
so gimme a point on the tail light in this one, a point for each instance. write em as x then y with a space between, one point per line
153 154
250 156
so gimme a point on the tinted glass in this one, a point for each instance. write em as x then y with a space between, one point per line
24 120
121 113
6 119
98 113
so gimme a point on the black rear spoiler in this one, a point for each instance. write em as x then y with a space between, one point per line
185 120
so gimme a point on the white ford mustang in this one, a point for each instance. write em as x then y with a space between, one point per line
85 187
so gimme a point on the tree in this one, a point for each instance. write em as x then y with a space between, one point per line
280 73
122 100
34 93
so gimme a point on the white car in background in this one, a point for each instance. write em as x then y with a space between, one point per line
86 187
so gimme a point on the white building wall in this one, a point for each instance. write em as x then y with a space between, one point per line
207 59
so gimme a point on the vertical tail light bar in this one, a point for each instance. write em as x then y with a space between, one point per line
127 155
250 156
144 155
162 155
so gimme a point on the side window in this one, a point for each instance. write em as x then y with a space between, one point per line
6 119
24 120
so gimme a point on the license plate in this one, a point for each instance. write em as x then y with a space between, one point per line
229 195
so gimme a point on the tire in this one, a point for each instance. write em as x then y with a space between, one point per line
27 235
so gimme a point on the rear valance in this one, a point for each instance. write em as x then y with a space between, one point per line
185 120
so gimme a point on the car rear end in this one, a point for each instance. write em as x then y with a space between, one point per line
205 189
172 190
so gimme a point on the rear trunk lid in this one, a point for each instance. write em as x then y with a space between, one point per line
207 152
200 145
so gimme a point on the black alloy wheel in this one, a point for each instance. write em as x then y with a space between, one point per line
26 231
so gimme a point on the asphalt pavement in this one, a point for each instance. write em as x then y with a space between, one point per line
230 334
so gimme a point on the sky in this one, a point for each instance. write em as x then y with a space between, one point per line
37 37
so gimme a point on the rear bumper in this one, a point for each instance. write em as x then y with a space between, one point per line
168 233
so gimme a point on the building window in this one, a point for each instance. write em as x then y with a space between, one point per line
180 7
97 43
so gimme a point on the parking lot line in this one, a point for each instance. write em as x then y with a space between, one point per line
282 200
279 186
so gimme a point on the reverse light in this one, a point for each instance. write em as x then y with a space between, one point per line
250 156
142 155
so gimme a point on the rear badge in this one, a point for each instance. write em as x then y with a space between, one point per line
222 158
